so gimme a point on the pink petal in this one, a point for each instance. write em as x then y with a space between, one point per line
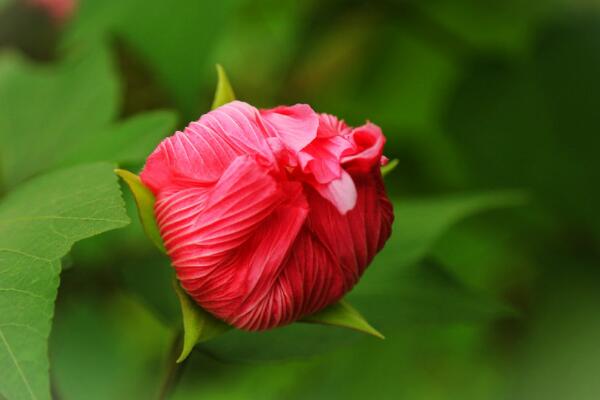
330 125
202 152
322 157
368 141
217 219
260 264
340 192
296 125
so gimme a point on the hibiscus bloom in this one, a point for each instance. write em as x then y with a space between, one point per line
269 215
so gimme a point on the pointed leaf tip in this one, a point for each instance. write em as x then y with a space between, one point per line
224 92
344 315
198 325
144 199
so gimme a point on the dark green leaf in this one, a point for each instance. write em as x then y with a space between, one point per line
39 222
420 222
106 346
182 70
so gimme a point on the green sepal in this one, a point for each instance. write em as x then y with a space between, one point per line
224 93
343 315
198 325
144 200
389 167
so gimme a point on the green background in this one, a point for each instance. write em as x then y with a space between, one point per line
490 285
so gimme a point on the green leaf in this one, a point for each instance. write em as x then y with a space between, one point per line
106 345
343 315
128 141
530 111
3 3
144 200
179 64
224 93
389 167
198 325
52 109
420 222
39 222
63 114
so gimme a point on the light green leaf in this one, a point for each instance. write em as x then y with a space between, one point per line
129 141
389 167
52 109
39 222
198 325
224 93
343 315
185 74
63 114
144 200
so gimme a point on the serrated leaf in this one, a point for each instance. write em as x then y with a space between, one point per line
39 222
144 200
389 167
343 315
224 93
198 325
63 114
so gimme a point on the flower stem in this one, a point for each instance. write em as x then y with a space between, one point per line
173 370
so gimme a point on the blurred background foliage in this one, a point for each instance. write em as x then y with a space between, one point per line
488 288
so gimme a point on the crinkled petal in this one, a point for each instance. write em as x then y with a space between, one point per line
296 125
330 125
321 158
368 143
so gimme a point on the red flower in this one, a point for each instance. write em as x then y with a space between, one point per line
271 215
59 10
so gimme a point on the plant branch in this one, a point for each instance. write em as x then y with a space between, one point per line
173 370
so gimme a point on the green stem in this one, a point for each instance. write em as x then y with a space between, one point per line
173 370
